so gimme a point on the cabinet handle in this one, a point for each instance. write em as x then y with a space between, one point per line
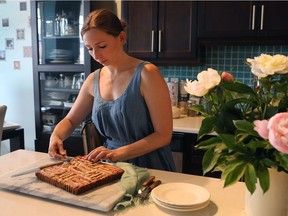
253 17
152 39
262 17
159 41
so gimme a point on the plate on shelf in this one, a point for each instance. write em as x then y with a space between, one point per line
68 61
58 95
55 103
181 196
67 104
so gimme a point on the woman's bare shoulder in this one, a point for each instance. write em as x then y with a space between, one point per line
150 71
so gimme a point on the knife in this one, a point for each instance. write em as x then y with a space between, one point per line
36 169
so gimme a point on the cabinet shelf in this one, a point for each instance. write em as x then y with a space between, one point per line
61 37
67 90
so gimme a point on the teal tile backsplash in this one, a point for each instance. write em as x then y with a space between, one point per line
225 58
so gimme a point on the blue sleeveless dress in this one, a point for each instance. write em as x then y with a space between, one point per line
126 120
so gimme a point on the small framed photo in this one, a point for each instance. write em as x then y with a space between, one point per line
9 43
2 55
16 65
23 6
5 22
20 34
2 1
27 51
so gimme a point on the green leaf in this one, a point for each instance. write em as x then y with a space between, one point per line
208 143
264 179
257 144
207 126
209 160
250 178
240 88
230 142
246 126
282 159
198 108
236 171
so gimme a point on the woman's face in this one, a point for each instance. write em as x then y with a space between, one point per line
103 47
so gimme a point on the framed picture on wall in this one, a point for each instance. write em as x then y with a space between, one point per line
27 51
9 43
20 34
23 6
5 22
2 55
16 65
2 1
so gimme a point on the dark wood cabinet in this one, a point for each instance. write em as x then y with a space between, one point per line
161 31
191 161
242 20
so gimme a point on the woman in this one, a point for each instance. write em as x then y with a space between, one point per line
129 100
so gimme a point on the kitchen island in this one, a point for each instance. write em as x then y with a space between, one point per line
223 202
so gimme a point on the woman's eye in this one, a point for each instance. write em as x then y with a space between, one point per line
90 49
102 46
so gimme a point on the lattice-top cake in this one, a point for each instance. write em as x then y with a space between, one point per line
79 175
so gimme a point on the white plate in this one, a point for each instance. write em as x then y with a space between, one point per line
181 195
186 209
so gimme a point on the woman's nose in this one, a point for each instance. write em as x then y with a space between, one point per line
96 55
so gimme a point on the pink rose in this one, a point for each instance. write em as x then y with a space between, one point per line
227 77
278 132
261 126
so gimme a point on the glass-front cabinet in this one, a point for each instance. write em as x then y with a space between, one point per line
60 65
58 91
59 24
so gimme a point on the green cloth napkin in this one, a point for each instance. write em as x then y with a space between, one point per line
131 181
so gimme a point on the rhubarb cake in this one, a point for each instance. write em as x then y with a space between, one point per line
79 175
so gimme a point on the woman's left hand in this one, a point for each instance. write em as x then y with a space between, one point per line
100 153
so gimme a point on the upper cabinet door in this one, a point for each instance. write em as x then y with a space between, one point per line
141 17
161 31
273 19
243 19
225 19
177 29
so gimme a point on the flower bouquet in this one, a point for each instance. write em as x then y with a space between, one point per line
251 123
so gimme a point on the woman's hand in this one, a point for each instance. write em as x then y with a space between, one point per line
101 153
56 149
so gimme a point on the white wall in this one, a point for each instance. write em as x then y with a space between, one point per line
16 86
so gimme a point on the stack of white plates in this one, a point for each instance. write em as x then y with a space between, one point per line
181 196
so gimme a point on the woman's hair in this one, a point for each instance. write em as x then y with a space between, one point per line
103 20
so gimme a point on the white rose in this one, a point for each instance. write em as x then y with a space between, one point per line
206 81
211 78
196 88
255 69
279 64
265 65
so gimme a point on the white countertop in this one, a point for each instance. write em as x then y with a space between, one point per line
224 202
10 125
187 124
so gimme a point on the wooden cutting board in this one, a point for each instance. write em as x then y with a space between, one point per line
102 198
